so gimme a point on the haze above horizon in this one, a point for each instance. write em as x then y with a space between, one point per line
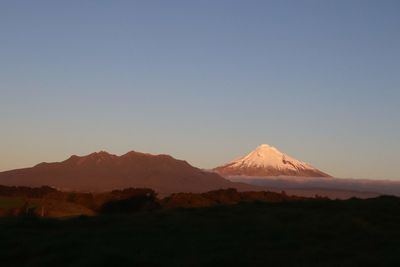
203 81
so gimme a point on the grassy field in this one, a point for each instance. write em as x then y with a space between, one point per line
320 233
10 202
48 207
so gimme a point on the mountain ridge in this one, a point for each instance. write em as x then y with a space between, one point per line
102 171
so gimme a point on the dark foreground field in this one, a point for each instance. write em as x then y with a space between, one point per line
319 233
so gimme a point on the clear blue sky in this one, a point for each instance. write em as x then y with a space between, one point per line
205 81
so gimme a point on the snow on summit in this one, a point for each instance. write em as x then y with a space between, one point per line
268 156
266 160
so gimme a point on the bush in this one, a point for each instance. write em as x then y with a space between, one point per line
138 200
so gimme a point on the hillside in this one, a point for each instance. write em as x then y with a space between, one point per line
318 233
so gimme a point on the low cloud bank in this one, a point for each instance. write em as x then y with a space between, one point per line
382 187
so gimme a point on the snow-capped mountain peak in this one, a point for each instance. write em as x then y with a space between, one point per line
269 156
267 160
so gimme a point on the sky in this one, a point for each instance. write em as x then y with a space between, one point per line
204 81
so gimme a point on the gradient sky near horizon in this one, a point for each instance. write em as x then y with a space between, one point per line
204 81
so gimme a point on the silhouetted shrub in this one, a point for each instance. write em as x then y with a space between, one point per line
223 196
138 200
26 210
186 200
